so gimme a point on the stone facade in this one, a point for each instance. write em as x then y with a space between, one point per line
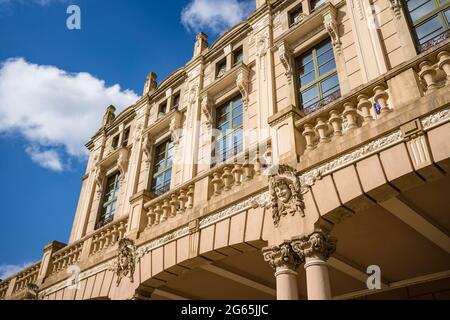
304 203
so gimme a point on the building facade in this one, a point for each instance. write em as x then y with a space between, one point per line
303 155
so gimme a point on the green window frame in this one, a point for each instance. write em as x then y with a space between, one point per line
430 21
162 168
109 202
317 78
229 122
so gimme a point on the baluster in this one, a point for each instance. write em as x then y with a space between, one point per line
190 195
364 106
101 241
350 114
381 97
309 133
248 170
166 208
182 198
115 234
122 228
444 63
227 178
107 238
428 73
336 122
257 166
95 244
322 128
158 214
237 172
173 205
216 182
150 217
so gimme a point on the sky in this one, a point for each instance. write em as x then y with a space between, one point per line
55 84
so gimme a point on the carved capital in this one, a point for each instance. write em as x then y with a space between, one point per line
32 292
329 21
242 83
396 7
318 243
282 256
286 193
285 53
207 105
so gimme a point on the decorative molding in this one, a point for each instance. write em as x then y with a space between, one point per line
122 162
358 8
317 244
285 193
329 21
285 53
175 128
242 82
99 177
174 235
396 7
436 119
282 256
147 147
308 179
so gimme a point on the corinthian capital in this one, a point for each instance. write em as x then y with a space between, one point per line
317 244
282 256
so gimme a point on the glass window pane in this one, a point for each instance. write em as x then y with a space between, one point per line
429 29
306 68
237 110
307 78
327 67
325 57
237 121
310 96
324 47
330 85
419 8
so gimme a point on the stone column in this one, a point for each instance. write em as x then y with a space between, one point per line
285 262
316 249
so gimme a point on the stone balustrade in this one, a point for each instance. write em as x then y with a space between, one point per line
435 71
108 236
169 205
66 257
3 289
26 277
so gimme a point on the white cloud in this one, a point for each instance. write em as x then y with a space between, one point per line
55 111
215 15
7 270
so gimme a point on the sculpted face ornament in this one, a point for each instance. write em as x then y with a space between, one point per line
286 194
126 260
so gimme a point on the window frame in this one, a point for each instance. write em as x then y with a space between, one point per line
162 172
228 134
318 79
104 218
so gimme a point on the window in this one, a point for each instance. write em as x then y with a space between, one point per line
162 168
317 77
109 200
429 20
238 56
115 142
229 122
221 68
176 101
126 136
162 109
295 16
316 4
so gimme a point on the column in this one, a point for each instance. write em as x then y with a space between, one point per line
285 262
316 249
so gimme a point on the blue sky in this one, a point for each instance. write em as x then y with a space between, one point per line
54 86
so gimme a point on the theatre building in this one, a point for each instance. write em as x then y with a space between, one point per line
305 154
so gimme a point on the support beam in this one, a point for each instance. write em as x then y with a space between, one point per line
396 285
239 279
338 264
412 218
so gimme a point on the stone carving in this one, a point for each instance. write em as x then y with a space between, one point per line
396 7
147 145
138 131
206 105
329 21
436 118
150 84
286 194
318 243
282 256
357 5
242 84
175 128
285 54
122 162
99 176
193 93
32 292
126 260
262 45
